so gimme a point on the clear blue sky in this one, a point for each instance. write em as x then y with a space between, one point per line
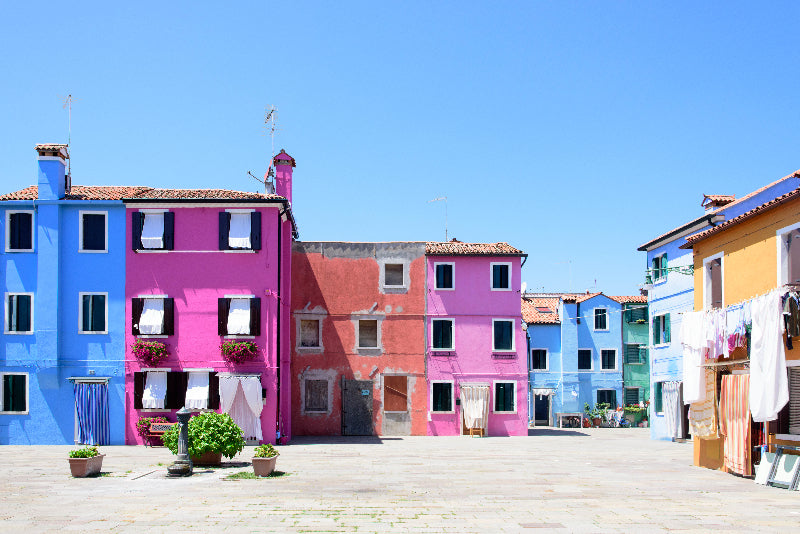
575 131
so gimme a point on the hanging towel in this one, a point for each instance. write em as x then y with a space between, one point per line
671 392
734 422
695 342
703 415
769 386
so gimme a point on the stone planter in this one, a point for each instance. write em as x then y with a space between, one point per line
84 467
208 458
263 467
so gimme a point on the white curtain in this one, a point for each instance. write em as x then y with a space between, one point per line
197 390
239 235
228 385
475 403
239 316
240 397
153 230
671 392
542 391
155 389
152 319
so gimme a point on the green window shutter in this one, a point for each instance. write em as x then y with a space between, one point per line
666 329
664 265
656 329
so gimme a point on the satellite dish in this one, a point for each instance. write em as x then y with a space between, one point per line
524 286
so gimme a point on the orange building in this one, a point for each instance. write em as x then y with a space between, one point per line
740 259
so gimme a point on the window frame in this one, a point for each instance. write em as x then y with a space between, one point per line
625 394
81 214
306 410
255 230
616 361
591 360
383 393
7 310
452 346
492 265
316 374
255 304
357 328
382 276
661 330
452 265
82 294
708 290
660 273
546 360
167 231
308 348
783 254
167 308
8 248
27 393
597 398
658 397
595 316
494 396
513 336
452 396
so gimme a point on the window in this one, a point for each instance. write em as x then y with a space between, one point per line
368 333
315 396
661 329
310 333
393 275
442 332
164 389
444 275
658 397
788 240
600 319
584 359
713 286
539 359
505 397
633 353
93 313
14 393
152 315
240 230
503 338
441 396
19 231
608 359
395 393
631 396
93 231
19 313
659 267
501 276
239 315
637 313
153 230
607 396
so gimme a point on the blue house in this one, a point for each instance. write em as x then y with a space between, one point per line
575 353
63 275
670 288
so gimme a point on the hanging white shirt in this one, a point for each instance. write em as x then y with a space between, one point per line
694 339
769 385
239 234
152 318
197 390
155 389
153 230
239 316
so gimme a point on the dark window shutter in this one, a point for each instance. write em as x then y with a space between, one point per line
86 310
224 229
213 391
176 390
255 316
781 424
169 316
137 305
169 230
136 230
138 390
223 305
667 335
255 230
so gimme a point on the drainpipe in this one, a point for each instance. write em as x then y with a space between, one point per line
278 339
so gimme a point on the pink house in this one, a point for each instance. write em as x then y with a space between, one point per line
205 267
476 355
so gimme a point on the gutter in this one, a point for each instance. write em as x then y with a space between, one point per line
710 219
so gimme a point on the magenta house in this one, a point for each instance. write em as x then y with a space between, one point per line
206 268
476 349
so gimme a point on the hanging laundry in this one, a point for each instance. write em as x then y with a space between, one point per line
703 415
736 319
769 385
695 343
673 408
734 422
791 316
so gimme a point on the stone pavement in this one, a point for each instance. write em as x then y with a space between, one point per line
582 480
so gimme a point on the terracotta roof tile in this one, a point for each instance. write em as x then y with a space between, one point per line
457 248
532 315
201 194
588 296
630 298
112 192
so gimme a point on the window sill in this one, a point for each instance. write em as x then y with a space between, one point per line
82 332
14 333
369 351
80 251
19 250
444 289
309 350
501 289
315 412
540 370
661 345
242 251
155 410
505 413
15 413
585 370
239 336
152 336
395 411
442 413
504 355
151 251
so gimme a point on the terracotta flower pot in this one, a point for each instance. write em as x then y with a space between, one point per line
208 458
84 467
263 467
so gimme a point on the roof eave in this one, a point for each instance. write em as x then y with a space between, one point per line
688 228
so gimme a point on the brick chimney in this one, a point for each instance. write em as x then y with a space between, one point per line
52 171
284 163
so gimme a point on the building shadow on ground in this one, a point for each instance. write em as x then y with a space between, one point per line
554 432
332 440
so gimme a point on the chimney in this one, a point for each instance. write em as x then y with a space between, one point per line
283 174
52 171
712 202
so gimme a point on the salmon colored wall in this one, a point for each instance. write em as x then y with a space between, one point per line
339 287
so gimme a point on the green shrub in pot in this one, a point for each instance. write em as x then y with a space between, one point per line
209 432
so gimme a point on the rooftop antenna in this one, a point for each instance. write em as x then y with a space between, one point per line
68 106
269 119
445 213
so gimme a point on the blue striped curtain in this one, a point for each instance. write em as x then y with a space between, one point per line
91 405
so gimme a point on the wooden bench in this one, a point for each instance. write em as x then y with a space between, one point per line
156 430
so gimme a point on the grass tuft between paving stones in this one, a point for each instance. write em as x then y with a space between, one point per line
249 475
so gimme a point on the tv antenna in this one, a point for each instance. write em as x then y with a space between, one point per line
445 213
269 120
68 100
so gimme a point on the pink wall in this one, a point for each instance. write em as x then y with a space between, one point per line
196 274
472 305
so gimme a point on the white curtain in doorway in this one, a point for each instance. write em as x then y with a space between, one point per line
240 397
475 403
672 408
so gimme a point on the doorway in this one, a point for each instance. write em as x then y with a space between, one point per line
357 407
541 410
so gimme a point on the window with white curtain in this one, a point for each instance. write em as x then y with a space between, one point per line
155 390
197 390
152 318
239 316
239 233
153 230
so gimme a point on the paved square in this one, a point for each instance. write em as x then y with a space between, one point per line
589 480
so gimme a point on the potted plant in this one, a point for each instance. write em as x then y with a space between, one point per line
212 435
143 427
238 351
597 414
150 353
264 458
86 461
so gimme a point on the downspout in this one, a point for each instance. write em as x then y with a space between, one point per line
278 338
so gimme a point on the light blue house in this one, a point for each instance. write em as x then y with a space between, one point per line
670 287
63 274
575 353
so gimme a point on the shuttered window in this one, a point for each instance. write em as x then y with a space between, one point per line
608 359
177 383
442 396
166 326
504 396
393 274
715 281
637 313
20 231
15 393
631 396
395 393
316 396
658 397
794 400
607 396
632 353
153 230
309 333
224 309
239 239
661 329
442 334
